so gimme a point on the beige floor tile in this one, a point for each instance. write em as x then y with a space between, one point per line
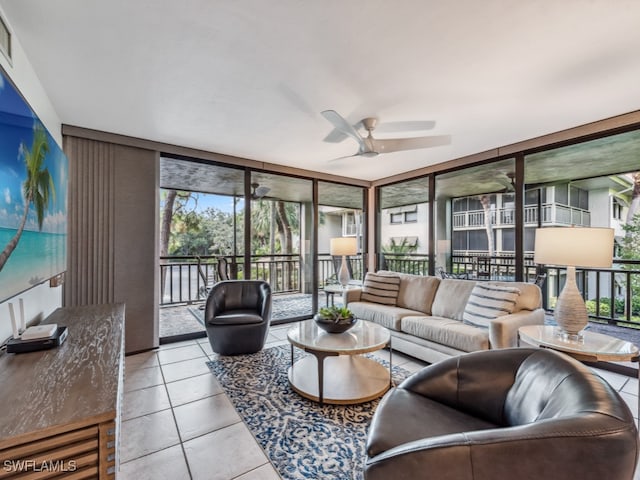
141 360
631 386
193 388
167 464
265 472
144 401
616 380
180 354
280 332
206 347
204 416
170 346
142 378
185 369
632 402
147 434
224 454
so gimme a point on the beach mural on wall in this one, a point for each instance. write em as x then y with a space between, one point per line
33 197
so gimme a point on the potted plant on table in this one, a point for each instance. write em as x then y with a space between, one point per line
335 319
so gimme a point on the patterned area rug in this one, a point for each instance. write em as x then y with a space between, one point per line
302 439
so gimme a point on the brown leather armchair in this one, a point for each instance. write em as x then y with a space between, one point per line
514 413
237 316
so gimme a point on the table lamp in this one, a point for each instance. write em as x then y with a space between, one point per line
572 247
343 246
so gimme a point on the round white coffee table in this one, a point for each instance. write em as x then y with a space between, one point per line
335 372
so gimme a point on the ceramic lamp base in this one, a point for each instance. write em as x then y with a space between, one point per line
343 274
571 311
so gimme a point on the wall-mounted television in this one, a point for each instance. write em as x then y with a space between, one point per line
33 197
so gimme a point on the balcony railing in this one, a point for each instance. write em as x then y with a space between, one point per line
185 279
552 214
415 263
609 293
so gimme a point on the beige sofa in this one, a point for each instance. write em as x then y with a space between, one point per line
426 321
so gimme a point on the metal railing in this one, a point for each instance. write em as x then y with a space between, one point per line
609 293
186 279
552 214
415 263
612 295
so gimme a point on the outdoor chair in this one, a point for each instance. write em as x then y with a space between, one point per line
442 273
237 316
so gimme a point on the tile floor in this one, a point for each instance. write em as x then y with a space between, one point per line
177 422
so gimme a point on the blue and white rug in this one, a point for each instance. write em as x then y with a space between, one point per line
302 439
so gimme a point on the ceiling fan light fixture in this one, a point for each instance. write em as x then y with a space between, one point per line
370 146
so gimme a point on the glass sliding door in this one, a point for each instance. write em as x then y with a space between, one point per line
340 216
201 232
280 241
404 227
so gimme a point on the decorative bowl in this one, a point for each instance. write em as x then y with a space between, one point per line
331 326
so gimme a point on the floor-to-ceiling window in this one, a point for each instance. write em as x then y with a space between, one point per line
201 238
280 241
403 226
475 216
594 183
340 214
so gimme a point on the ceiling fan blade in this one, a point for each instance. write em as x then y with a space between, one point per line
399 144
408 126
261 191
335 136
344 158
342 125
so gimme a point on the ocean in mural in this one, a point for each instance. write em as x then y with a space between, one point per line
33 179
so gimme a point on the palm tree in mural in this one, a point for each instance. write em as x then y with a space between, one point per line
37 188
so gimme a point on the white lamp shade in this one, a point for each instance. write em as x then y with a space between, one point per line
574 246
343 246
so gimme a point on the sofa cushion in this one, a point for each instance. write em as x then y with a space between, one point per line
489 301
417 292
380 288
386 315
451 298
446 331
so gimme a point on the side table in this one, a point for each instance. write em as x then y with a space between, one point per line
331 290
593 347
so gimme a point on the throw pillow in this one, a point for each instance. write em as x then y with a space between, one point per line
380 288
488 301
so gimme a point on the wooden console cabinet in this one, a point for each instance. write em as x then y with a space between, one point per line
61 407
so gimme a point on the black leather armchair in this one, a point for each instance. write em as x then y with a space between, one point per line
515 413
237 316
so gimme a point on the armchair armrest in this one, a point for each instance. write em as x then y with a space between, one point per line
459 455
503 331
351 295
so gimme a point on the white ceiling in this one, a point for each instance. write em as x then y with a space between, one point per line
250 77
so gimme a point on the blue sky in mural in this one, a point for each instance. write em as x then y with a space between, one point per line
16 126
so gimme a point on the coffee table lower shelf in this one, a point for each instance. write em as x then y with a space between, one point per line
348 379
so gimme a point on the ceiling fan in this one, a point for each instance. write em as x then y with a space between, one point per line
369 146
258 191
508 180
